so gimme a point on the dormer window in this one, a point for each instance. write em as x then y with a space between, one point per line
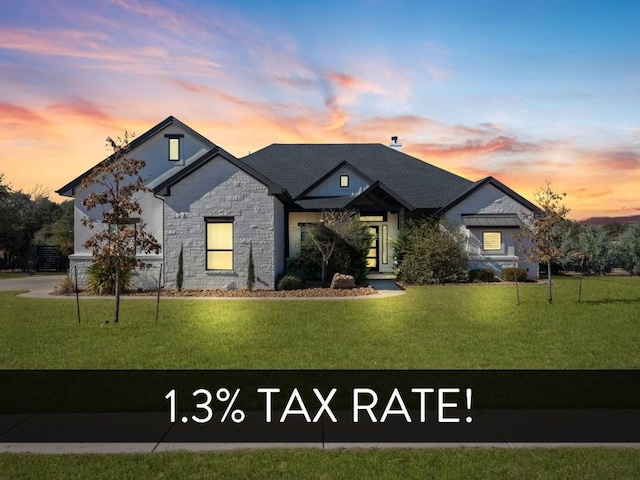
344 181
175 147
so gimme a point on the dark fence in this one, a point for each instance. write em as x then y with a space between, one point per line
49 259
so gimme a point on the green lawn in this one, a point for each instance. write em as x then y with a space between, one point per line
449 327
437 327
339 464
5 275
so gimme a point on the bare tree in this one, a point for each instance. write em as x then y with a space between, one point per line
543 230
114 186
338 226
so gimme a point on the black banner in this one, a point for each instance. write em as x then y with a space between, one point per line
320 406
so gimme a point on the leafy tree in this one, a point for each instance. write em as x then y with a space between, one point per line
595 248
22 214
113 187
59 230
427 251
541 233
613 229
587 246
336 227
629 248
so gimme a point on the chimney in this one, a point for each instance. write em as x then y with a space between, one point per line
395 145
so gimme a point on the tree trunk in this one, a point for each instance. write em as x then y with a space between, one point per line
323 271
116 310
549 282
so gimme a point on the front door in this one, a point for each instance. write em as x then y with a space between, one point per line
373 261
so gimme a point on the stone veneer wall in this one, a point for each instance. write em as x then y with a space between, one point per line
220 189
146 278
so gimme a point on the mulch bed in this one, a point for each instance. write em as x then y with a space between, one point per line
242 293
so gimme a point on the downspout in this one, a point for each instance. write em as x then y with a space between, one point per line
164 263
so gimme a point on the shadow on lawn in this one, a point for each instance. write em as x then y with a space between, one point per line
612 301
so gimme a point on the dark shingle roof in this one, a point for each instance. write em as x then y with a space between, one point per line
295 167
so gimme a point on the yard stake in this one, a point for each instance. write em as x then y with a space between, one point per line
515 276
581 276
75 269
158 299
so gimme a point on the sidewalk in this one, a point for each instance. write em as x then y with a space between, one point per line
109 433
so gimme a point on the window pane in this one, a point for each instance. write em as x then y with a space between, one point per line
219 260
174 149
219 236
491 241
344 180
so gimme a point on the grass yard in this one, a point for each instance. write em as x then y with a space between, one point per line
436 327
6 275
338 464
448 327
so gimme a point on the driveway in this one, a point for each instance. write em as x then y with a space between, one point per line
35 284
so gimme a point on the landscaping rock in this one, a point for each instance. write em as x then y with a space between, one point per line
342 282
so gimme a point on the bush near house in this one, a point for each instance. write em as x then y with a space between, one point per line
290 282
430 252
102 278
512 274
345 259
482 275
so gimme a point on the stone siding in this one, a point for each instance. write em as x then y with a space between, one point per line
219 189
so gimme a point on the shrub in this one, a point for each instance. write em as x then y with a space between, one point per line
66 286
290 282
251 270
180 274
427 251
102 278
482 275
345 259
512 274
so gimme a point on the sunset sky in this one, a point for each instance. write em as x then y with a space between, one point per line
523 91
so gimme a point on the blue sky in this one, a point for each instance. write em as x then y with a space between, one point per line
523 91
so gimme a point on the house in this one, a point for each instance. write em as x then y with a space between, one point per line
215 207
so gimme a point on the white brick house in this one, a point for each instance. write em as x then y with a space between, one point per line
214 206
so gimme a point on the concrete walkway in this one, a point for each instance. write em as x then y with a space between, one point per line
109 433
40 286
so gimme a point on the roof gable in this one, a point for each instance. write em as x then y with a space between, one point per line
69 189
297 167
343 166
480 184
164 187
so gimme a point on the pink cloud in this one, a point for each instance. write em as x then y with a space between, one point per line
12 114
80 107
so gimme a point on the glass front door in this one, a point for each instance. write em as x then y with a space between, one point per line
372 257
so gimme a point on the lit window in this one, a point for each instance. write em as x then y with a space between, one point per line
344 181
219 244
175 147
492 241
